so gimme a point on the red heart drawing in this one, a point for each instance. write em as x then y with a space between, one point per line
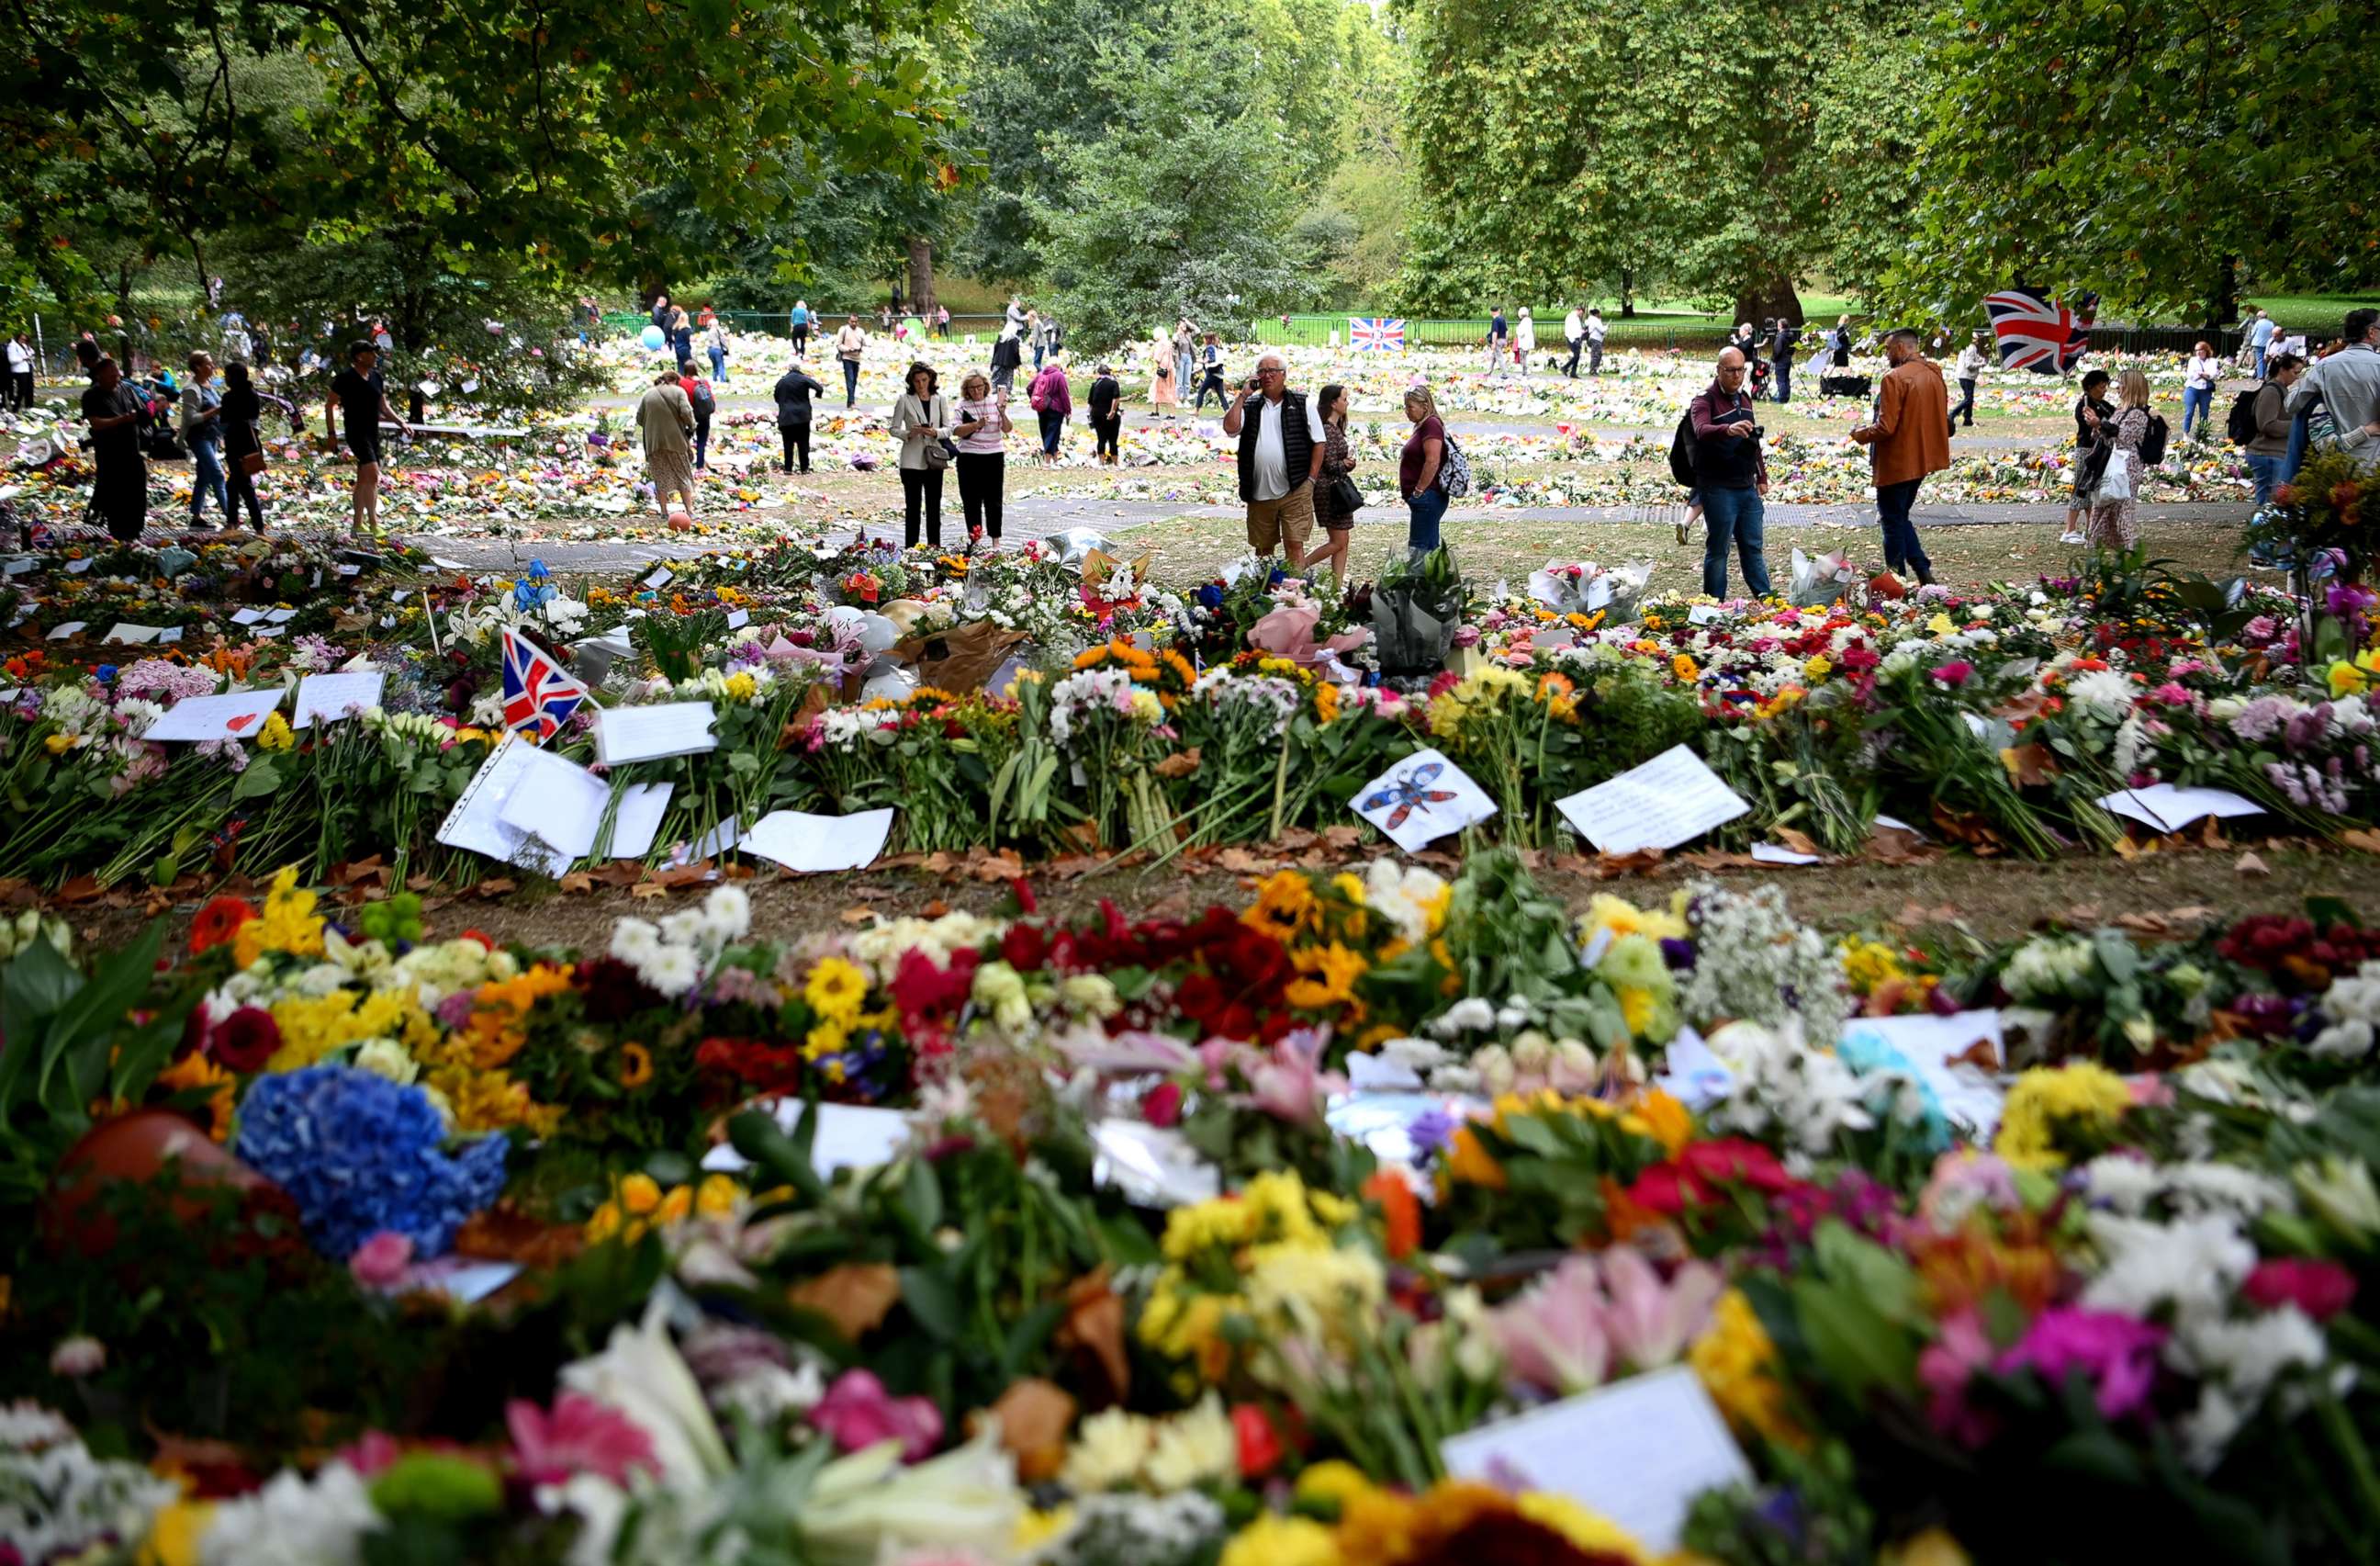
242 721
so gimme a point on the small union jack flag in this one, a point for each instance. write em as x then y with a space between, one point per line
539 697
2036 332
1376 334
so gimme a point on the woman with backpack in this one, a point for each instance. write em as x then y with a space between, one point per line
1420 473
921 421
1055 403
2268 425
697 393
2115 523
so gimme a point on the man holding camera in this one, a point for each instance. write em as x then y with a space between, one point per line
1908 437
1281 455
1732 475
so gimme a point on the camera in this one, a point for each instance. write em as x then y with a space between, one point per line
1757 433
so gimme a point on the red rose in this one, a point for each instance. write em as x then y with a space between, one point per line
1026 948
1735 1159
1161 1105
244 1041
1260 1444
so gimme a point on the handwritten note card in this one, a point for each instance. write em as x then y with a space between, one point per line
1670 799
814 844
649 733
328 697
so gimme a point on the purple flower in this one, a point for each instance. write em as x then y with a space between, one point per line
2115 1351
1432 1131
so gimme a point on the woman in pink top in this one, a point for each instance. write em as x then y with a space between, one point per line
1053 402
980 435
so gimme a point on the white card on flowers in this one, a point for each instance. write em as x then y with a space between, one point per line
327 697
1421 798
1639 1451
1670 799
236 715
650 733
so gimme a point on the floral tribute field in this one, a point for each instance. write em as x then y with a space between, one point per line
1373 1214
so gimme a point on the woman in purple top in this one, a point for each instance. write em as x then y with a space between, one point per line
1054 403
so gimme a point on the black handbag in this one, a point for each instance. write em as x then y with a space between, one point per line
1345 495
2093 468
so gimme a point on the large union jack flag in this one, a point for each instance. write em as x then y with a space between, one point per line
1376 334
2038 332
539 697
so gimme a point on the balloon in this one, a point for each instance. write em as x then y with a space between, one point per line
652 337
877 634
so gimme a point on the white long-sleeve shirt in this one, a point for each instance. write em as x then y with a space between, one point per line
2202 372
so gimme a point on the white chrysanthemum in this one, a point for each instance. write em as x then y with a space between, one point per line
671 970
293 1521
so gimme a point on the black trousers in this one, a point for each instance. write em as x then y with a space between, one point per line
20 389
1106 432
926 484
982 476
797 441
1213 383
1966 408
701 443
1593 358
1577 346
241 485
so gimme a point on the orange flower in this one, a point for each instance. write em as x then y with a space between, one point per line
218 923
1468 1162
636 1065
1400 1211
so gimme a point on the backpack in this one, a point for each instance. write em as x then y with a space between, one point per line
704 403
2153 441
1681 450
1037 394
2242 425
1454 474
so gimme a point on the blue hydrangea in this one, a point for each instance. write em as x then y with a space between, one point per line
358 1153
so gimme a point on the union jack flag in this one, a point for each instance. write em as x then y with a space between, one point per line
538 695
2038 332
1376 334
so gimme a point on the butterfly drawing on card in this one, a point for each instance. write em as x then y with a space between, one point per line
1411 791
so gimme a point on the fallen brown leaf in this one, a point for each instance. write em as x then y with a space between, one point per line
577 881
855 1296
1240 862
1094 1330
1181 763
1034 1416
1644 862
857 916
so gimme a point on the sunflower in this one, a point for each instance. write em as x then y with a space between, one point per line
835 989
636 1065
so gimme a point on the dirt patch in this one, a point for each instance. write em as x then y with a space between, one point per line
1987 900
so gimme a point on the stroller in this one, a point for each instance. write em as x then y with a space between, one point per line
158 400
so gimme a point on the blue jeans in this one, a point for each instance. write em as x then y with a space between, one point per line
1053 424
1900 547
1425 510
2198 401
719 364
1784 380
851 382
2301 432
2267 471
1737 515
206 464
2260 364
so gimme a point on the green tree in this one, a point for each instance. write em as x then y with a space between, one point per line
528 131
2148 153
1156 224
1565 145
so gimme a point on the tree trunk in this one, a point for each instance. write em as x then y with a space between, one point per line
1627 292
1766 300
921 277
2223 299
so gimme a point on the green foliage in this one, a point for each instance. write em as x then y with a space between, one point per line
2139 152
1536 199
1151 223
67 1041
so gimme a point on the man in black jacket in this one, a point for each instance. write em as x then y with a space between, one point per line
1006 355
1780 353
794 388
1732 475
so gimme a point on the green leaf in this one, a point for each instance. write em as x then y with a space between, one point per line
933 1302
921 1195
1857 1347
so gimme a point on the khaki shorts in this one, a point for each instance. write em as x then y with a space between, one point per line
1290 517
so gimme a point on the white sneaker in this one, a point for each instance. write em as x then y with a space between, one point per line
2072 537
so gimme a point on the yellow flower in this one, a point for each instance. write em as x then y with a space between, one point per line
58 744
1335 1480
1589 1532
1662 1117
603 1224
1338 969
288 923
676 1205
717 1195
1818 668
740 686
1035 1529
2081 1093
174 1533
1275 1540
276 734
1285 905
1685 668
640 1194
826 1038
835 989
1934 1547
196 1071
2347 679
1733 1359
636 1065
1940 625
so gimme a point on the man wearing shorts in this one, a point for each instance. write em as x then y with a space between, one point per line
1280 453
358 396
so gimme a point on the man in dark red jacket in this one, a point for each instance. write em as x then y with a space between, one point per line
1732 475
